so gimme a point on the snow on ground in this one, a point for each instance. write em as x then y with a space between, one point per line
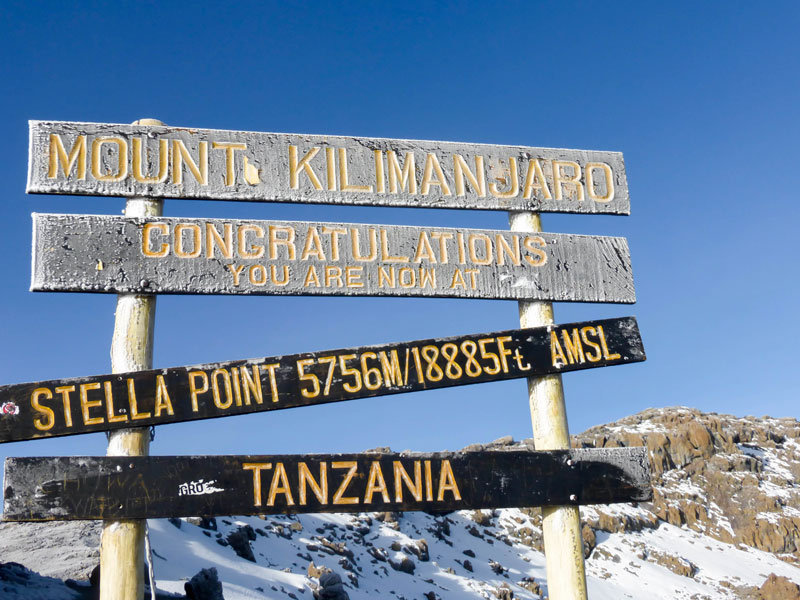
644 565
621 568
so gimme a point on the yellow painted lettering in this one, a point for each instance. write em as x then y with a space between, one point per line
335 233
287 242
608 182
561 179
535 245
58 156
256 468
556 352
138 159
401 476
512 181
111 415
345 185
385 255
65 391
313 246
447 482
319 488
373 245
280 485
147 250
223 242
181 156
251 384
45 417
162 397
535 180
122 159
424 249
390 364
226 382
229 148
376 483
573 346
194 235
194 390
405 177
135 414
305 165
339 497
87 404
273 383
585 333
252 250
460 169
606 354
432 167
352 276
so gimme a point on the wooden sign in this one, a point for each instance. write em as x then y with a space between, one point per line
85 253
175 162
142 398
53 488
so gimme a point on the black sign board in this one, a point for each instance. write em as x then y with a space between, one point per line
66 488
106 402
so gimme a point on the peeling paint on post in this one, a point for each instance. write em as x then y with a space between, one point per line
99 159
46 489
85 253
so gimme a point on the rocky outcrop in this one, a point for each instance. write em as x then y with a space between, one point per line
779 588
204 586
734 479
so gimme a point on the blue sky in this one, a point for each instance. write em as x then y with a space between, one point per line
702 99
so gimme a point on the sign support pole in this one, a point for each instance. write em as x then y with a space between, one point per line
122 542
561 525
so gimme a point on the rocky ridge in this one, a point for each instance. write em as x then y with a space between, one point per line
734 479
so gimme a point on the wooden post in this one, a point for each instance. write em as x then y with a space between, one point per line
561 525
122 543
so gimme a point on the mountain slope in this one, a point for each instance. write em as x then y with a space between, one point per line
723 519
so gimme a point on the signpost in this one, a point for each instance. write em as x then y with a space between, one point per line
144 254
100 159
212 256
156 397
44 489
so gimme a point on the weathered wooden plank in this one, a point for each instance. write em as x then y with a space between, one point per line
142 398
175 162
65 488
213 256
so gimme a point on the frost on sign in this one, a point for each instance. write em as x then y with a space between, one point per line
226 256
173 162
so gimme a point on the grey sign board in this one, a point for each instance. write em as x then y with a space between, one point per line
176 162
86 253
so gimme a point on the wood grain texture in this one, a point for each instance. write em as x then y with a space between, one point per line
213 256
65 488
132 160
159 396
